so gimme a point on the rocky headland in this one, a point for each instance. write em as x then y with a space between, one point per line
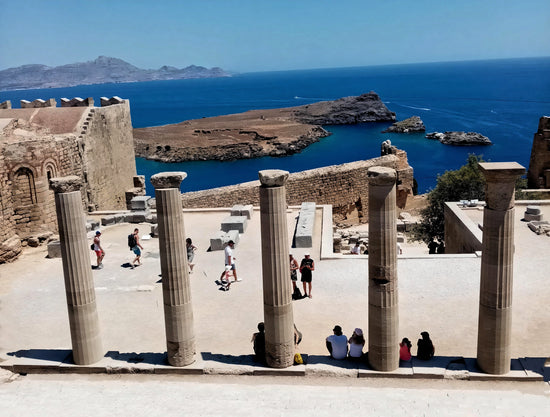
460 138
256 133
410 125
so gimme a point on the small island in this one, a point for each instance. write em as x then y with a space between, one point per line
411 125
256 133
460 138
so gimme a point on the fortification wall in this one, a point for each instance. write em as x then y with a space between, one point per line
538 175
344 186
41 142
108 156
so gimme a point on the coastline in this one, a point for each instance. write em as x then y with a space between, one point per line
255 133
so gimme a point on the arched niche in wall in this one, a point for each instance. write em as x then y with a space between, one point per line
23 194
50 169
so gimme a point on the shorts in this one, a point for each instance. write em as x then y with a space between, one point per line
306 278
190 257
99 253
136 250
232 267
293 276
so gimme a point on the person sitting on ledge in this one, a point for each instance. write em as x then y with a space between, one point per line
259 344
426 348
356 250
405 350
337 344
356 343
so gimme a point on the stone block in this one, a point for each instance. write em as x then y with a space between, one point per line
238 223
108 220
236 210
154 230
401 238
140 202
141 216
532 210
54 249
303 238
220 239
532 217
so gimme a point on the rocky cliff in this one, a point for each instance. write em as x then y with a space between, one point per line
256 133
410 125
99 71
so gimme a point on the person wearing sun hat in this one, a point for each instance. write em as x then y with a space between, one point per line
356 343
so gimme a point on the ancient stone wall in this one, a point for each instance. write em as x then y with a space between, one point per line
42 142
343 186
108 156
461 234
539 165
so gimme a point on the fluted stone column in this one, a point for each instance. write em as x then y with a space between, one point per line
77 272
176 291
278 316
383 306
497 264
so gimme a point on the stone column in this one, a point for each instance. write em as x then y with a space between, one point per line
383 306
497 263
77 271
176 291
278 317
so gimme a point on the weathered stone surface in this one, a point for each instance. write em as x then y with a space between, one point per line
140 202
410 125
460 138
381 176
54 249
303 237
539 164
273 177
168 180
66 184
234 223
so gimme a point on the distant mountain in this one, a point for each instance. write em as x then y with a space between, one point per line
99 71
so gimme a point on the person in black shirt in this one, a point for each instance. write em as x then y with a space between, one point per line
426 348
306 267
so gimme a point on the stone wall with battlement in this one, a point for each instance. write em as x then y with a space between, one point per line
38 143
344 186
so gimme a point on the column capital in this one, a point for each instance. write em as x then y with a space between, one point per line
168 179
273 177
501 171
381 175
65 184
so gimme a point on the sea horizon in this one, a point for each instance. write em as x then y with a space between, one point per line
502 99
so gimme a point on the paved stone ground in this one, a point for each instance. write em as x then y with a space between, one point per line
437 293
138 395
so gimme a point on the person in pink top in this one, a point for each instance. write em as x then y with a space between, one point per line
405 350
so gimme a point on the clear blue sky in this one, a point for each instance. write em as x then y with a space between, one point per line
259 35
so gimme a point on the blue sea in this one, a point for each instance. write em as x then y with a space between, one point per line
501 99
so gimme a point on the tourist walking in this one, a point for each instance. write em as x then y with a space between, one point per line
306 267
190 253
230 261
99 252
135 246
337 344
356 344
426 348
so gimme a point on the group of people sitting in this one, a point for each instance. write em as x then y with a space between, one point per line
340 347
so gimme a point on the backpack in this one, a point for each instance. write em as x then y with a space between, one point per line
131 241
297 294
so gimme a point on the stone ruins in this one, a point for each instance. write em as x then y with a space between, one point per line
539 165
40 141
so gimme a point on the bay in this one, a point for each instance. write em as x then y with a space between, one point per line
501 99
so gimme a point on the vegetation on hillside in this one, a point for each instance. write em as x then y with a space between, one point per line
465 183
